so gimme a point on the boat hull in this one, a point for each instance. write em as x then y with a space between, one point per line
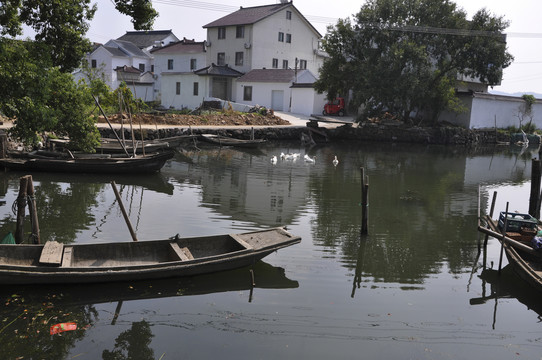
142 164
153 259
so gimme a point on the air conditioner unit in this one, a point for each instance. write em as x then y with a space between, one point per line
248 46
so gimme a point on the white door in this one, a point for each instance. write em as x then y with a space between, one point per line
277 100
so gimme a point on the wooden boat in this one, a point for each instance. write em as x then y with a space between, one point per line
522 256
93 164
229 141
54 263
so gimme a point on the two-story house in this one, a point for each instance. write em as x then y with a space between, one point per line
275 37
175 65
127 59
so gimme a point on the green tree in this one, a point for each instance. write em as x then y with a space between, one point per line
35 85
405 56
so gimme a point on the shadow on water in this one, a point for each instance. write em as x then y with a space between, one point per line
28 312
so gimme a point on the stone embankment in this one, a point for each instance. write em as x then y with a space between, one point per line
444 135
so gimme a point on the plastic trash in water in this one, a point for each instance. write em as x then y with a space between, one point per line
59 328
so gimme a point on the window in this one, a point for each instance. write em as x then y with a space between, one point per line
170 64
221 58
178 88
240 32
247 93
281 36
285 64
288 38
275 64
142 67
196 88
239 58
302 64
93 64
221 33
288 15
193 64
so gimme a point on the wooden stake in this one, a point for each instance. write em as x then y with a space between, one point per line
534 201
21 205
33 211
503 236
128 223
364 200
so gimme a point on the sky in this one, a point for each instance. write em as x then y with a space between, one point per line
186 18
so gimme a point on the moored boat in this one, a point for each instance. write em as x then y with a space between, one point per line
229 141
55 263
521 248
94 164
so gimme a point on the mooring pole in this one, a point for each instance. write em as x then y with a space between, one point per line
33 210
534 207
503 236
364 200
21 205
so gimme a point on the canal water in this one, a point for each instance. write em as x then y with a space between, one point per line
416 287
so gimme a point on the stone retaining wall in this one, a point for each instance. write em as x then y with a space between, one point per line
371 132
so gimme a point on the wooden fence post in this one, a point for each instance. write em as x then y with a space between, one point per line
534 202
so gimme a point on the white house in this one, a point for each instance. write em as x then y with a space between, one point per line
175 65
281 90
274 36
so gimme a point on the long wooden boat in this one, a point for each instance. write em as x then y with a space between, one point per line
113 146
54 263
522 257
229 141
91 164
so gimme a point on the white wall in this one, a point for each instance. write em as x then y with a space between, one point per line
308 102
262 94
186 99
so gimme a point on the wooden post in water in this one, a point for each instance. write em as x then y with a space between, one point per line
33 211
126 218
534 202
503 236
364 198
21 205
3 144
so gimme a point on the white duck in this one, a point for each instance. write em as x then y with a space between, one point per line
335 161
274 159
309 159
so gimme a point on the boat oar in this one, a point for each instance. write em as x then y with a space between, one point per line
117 195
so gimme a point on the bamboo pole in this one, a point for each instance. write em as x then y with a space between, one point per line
128 223
111 126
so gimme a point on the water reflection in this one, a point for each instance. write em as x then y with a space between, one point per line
28 312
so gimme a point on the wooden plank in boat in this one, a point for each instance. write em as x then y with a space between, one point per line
52 253
241 241
67 258
183 253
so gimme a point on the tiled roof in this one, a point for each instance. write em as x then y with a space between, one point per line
115 51
249 15
144 39
128 69
181 47
269 75
127 47
218 70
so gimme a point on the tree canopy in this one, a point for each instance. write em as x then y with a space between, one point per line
36 86
406 56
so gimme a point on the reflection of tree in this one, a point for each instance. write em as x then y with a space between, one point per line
25 327
59 204
132 344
